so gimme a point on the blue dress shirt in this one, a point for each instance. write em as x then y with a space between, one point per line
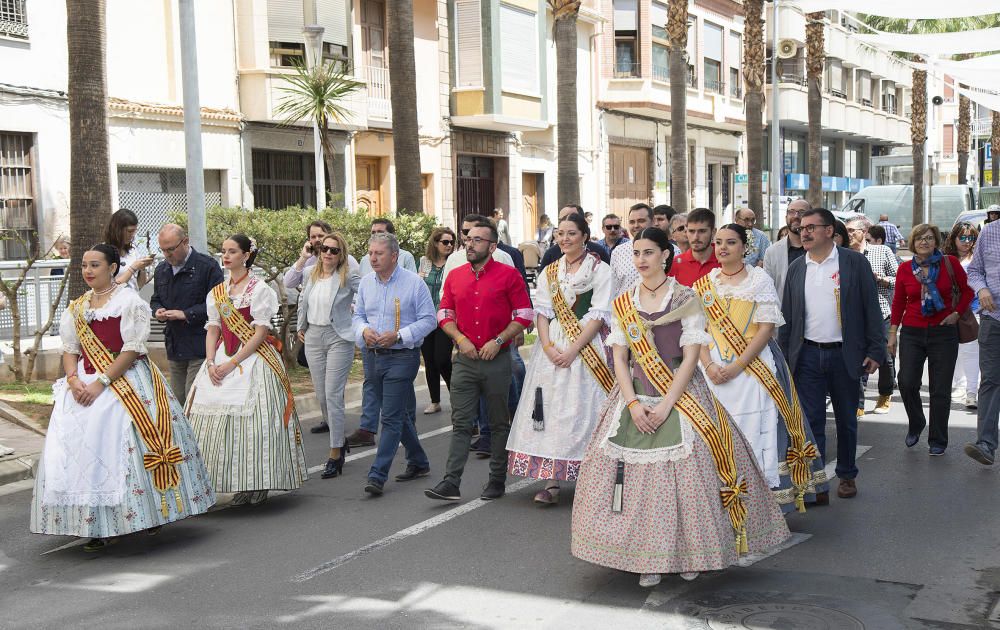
375 307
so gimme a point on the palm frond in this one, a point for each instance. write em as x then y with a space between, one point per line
316 94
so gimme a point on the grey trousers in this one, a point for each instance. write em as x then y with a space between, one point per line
182 374
989 384
330 357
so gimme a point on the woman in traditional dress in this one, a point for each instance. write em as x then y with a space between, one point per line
668 484
120 234
569 376
241 405
119 456
749 375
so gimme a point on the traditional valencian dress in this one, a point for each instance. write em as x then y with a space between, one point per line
762 398
551 447
129 461
687 498
247 426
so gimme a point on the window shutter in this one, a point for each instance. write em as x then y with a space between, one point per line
948 145
284 21
332 16
519 47
468 44
625 12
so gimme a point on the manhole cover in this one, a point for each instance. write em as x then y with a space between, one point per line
768 616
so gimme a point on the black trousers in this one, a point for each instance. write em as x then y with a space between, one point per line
436 350
937 346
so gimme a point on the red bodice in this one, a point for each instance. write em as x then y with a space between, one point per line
109 331
229 338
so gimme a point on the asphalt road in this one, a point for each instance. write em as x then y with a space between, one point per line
917 548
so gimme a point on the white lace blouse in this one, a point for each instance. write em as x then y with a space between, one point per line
261 299
593 274
126 304
693 326
756 287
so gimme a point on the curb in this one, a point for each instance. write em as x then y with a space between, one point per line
18 468
13 415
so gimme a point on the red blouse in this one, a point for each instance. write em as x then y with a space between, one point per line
906 298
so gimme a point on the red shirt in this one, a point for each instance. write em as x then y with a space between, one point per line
687 270
906 298
483 304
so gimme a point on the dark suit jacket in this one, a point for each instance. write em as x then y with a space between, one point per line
862 323
186 291
553 254
518 258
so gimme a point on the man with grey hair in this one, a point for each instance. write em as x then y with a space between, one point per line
393 313
893 237
180 285
746 218
883 263
779 256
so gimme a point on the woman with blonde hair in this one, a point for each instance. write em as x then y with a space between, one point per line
961 244
436 348
324 326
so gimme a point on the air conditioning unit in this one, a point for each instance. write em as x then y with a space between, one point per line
787 48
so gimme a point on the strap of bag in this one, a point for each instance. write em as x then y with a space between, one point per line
951 276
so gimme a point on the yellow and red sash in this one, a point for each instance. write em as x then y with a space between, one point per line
800 452
162 456
239 326
571 325
718 437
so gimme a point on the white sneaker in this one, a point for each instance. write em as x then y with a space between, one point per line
689 576
958 393
649 580
971 402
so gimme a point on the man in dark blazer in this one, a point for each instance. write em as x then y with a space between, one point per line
181 283
833 333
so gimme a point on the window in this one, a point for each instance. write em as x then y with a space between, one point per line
948 140
661 43
794 154
889 97
468 44
290 54
692 53
17 210
626 39
863 87
834 78
282 179
13 18
713 58
735 63
519 49
285 21
852 162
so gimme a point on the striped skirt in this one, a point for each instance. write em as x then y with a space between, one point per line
243 439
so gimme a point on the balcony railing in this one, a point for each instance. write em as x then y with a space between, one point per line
719 87
379 103
626 69
837 93
867 102
692 78
13 19
735 90
661 73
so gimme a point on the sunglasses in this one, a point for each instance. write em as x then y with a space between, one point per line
329 249
968 238
447 243
613 227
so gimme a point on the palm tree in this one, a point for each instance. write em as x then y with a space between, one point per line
964 136
405 128
753 79
317 95
564 14
677 28
815 59
918 134
90 163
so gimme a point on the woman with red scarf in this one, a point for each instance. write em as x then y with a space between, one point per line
931 294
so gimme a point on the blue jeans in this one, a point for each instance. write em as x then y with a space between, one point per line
392 384
989 384
518 370
371 404
821 371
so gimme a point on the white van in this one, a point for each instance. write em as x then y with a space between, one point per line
947 202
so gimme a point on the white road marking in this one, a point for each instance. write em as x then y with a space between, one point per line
831 466
16 486
371 451
402 534
754 558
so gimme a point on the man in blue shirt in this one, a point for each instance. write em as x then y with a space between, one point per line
393 313
755 255
613 235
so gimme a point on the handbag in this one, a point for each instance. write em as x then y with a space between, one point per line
968 326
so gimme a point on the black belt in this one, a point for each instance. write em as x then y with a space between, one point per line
390 350
824 345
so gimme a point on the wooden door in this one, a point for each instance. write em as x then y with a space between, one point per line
373 33
369 185
629 178
529 196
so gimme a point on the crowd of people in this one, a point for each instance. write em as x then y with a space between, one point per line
680 377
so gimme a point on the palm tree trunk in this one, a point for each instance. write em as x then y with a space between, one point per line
90 179
677 17
753 79
918 134
995 144
405 129
964 135
567 132
814 72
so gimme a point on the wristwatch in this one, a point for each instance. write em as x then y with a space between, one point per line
104 379
399 337
499 341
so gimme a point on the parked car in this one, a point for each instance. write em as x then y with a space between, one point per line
896 201
975 217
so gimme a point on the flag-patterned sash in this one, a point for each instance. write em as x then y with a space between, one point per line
571 325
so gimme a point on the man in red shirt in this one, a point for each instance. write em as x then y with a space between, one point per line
700 258
484 306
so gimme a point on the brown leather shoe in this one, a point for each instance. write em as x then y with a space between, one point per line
847 489
361 438
822 498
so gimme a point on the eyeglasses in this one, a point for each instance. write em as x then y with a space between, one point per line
478 240
329 249
795 213
374 232
680 228
447 243
809 229
967 238
926 238
171 250
616 226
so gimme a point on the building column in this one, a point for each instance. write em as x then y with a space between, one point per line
446 211
700 180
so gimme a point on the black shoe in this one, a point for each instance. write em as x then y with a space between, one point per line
374 487
412 472
444 491
912 439
978 454
331 469
493 490
322 427
936 451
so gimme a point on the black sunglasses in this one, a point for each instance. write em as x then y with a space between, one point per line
447 243
329 249
613 227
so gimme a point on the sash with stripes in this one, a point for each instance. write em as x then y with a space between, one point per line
571 325
718 437
800 452
162 456
238 324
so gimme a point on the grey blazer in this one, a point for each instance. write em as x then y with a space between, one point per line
862 323
340 310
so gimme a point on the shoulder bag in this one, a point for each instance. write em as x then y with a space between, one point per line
968 327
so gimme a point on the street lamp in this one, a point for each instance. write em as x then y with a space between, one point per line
314 56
